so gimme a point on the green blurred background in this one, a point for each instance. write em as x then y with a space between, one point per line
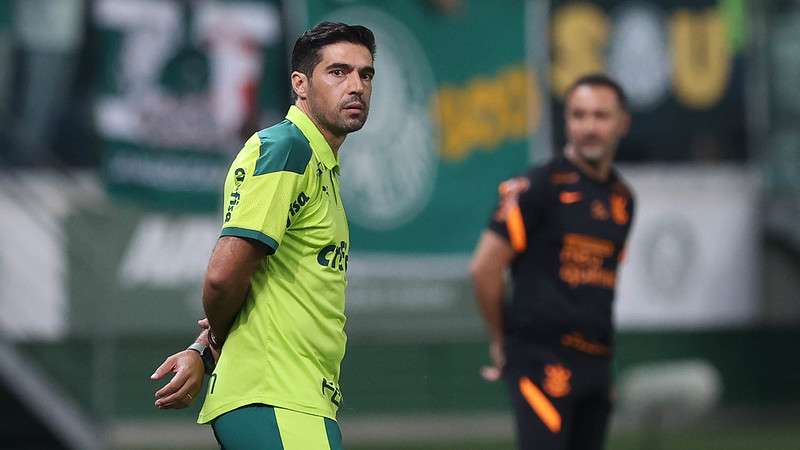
118 119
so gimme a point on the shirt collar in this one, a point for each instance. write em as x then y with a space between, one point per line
319 145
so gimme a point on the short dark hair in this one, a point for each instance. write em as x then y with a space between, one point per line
600 79
305 55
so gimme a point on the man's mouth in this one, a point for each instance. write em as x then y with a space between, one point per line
354 106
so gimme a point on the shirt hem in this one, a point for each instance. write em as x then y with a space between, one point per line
207 416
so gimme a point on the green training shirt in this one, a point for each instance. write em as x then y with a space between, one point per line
285 346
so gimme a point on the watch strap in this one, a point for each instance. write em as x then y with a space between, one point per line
205 355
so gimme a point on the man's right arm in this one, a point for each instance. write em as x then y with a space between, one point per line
188 369
492 258
227 281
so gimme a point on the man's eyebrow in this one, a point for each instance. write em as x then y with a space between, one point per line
347 67
341 66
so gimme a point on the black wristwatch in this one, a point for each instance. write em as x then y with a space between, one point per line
205 355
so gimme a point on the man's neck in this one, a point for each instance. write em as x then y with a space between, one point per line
333 140
598 171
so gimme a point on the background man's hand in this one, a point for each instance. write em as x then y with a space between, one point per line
184 386
495 371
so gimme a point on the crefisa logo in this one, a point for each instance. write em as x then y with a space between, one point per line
389 166
334 256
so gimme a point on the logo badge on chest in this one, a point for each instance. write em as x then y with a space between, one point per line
599 210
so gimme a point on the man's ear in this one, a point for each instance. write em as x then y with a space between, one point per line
300 84
626 124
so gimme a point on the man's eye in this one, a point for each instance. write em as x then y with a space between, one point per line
338 72
367 76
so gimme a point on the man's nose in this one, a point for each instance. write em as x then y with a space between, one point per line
589 125
356 83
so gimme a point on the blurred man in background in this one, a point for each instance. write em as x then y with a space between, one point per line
274 289
561 229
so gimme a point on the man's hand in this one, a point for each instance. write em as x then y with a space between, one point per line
204 324
205 328
495 371
181 391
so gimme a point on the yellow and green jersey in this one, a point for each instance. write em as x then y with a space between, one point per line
287 342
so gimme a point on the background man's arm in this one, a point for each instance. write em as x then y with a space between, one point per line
492 257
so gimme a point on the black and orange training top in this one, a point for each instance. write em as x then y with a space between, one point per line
569 232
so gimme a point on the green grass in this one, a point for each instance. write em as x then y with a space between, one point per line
762 436
771 437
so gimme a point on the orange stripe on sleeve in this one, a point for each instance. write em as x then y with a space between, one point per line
540 404
516 229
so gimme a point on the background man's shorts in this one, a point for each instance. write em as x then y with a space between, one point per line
561 399
262 427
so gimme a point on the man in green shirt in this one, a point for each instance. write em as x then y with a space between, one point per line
274 289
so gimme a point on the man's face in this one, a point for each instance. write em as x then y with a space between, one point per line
595 123
340 87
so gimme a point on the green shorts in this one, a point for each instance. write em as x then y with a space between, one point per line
262 427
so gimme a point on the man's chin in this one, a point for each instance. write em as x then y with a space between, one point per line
354 125
592 155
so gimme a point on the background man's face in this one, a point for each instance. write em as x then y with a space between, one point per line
340 87
595 122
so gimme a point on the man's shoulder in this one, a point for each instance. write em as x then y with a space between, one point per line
555 171
621 186
281 148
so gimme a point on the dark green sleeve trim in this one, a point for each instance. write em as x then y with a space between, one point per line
272 244
281 150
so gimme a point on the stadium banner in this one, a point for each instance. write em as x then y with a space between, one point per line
682 63
693 259
180 85
455 103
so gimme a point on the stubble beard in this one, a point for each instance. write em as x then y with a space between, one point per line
338 123
591 149
348 124
342 126
593 155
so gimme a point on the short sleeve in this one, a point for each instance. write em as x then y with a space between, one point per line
259 190
519 208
